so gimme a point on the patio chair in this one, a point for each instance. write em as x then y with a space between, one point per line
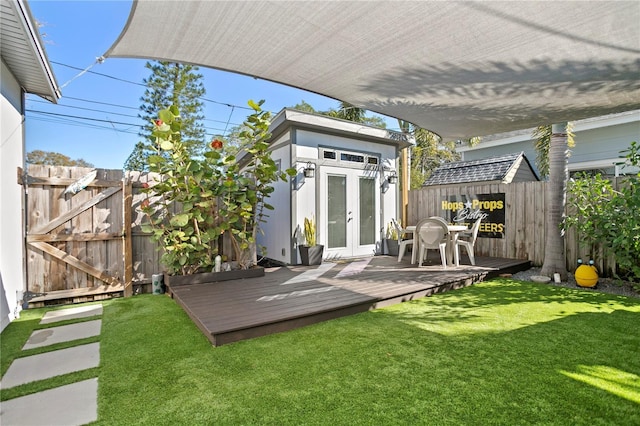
402 244
469 243
439 218
433 234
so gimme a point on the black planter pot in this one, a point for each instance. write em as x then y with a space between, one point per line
311 255
391 247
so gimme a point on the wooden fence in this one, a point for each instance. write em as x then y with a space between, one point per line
524 215
88 245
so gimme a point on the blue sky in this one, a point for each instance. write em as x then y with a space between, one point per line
96 118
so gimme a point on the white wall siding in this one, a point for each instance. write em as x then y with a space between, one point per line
11 205
597 140
604 143
275 237
304 192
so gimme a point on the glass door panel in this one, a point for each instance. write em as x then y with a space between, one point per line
336 211
367 209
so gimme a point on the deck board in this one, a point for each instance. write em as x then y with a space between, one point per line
235 310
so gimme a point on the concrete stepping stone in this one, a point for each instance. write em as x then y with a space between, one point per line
71 313
55 363
69 405
64 333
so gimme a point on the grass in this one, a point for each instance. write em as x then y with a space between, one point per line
497 353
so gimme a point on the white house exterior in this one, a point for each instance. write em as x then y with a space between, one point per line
349 195
598 141
25 69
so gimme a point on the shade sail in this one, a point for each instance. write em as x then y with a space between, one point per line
460 69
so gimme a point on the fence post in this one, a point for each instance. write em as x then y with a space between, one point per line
127 202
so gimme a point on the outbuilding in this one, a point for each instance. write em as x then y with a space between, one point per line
347 180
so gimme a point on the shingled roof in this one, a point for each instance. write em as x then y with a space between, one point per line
500 169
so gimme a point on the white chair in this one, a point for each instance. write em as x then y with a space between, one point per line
469 243
439 218
402 244
433 234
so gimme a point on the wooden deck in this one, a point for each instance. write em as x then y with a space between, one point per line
295 296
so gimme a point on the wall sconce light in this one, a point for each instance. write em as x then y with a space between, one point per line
393 177
310 170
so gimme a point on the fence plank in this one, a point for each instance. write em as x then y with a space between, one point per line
75 262
43 229
126 243
81 222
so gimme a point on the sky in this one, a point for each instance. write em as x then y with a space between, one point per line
97 117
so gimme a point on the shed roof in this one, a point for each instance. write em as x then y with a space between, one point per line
501 169
289 117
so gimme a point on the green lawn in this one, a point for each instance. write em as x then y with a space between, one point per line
502 352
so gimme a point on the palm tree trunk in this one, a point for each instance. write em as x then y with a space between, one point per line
554 250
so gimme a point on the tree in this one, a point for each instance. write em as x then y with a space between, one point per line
542 137
48 158
170 84
347 111
304 106
554 254
428 154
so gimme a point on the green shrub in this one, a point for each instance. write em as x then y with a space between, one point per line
608 218
215 194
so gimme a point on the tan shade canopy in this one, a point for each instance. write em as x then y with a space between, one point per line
459 69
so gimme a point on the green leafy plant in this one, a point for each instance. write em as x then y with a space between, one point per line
310 231
214 195
606 218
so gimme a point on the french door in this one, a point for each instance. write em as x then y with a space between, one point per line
349 204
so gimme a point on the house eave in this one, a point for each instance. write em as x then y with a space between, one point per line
23 53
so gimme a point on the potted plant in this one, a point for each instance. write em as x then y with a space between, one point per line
391 240
310 252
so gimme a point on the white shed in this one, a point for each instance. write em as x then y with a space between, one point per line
350 194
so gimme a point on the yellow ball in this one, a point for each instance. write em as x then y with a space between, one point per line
586 276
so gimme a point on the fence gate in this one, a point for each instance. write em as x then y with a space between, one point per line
78 245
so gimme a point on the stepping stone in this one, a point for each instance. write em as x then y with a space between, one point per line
71 313
64 333
69 405
51 364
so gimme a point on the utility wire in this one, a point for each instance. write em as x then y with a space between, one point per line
116 113
97 102
96 73
138 84
46 113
